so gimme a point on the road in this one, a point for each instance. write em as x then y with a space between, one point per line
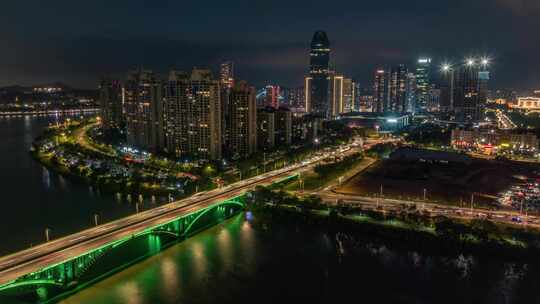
504 122
60 250
370 203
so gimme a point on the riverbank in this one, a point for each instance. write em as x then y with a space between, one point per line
67 150
442 234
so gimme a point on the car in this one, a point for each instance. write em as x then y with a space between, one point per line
517 219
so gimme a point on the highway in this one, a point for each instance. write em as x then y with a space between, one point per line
370 203
33 259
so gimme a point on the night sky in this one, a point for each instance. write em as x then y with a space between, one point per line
77 41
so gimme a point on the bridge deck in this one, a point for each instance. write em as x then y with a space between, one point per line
33 259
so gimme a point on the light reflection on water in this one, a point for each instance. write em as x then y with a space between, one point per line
245 262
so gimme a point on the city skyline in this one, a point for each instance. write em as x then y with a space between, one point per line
80 53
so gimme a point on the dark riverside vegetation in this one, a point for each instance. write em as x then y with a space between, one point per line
440 233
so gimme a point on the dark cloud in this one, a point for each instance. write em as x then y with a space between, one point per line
76 41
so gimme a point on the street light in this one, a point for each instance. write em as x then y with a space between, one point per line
47 234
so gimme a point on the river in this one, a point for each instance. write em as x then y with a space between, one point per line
242 260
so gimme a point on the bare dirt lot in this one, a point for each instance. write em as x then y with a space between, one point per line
449 183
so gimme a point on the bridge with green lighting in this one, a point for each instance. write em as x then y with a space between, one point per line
53 270
56 281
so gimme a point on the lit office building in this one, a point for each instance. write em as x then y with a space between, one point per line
366 103
272 96
242 123
398 102
226 75
144 111
381 87
193 114
335 94
434 100
349 95
469 91
317 83
410 94
422 84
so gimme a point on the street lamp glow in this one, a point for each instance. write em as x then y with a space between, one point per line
485 61
470 62
446 67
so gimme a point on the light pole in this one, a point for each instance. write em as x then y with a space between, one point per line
96 219
425 192
381 191
472 203
137 207
47 234
264 162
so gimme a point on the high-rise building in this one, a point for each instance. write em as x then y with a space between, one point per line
193 113
335 94
366 103
305 128
283 127
399 76
410 93
318 75
242 123
446 101
110 101
357 94
470 91
349 95
226 75
422 83
293 98
266 129
144 111
272 96
434 100
381 91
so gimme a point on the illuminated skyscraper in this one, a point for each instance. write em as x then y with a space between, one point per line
272 96
226 75
193 111
242 122
422 83
398 89
335 94
226 81
144 111
381 94
349 95
319 70
470 90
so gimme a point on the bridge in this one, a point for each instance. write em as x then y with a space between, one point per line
52 270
